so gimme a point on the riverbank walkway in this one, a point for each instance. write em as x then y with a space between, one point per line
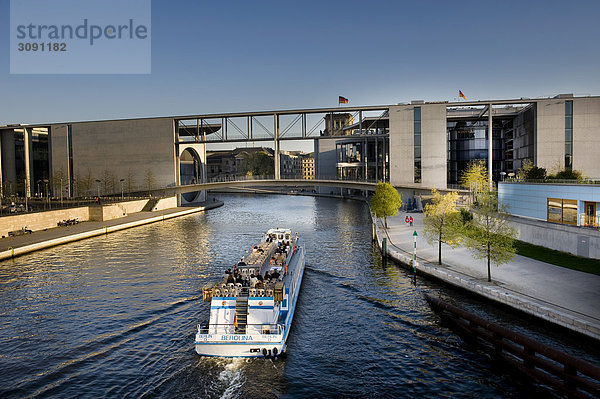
559 295
20 245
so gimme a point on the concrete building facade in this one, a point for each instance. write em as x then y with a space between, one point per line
420 145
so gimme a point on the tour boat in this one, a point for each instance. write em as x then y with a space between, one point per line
252 307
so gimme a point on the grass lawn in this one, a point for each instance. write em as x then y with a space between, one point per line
558 258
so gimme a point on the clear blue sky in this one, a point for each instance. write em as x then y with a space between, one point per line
233 56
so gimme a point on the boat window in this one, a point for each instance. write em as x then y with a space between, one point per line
281 236
287 236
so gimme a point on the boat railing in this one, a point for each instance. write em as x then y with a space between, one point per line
259 328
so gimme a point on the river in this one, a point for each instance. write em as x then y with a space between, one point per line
115 316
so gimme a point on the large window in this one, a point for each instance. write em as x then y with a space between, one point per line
417 144
568 135
562 211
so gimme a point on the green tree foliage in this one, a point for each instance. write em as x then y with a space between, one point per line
489 236
529 171
386 201
567 174
442 221
475 176
257 164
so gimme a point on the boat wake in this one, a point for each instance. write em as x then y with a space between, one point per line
233 377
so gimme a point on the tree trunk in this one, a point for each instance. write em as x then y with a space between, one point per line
385 221
440 249
488 259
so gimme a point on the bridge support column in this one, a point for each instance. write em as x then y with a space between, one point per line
276 146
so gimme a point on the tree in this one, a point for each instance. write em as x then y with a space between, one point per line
442 221
386 201
529 171
85 183
149 180
130 181
475 176
489 236
257 163
567 174
58 181
108 181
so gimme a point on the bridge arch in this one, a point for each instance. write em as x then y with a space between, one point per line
190 172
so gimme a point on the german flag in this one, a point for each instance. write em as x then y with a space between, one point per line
460 94
342 100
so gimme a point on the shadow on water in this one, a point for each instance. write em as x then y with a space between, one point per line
115 316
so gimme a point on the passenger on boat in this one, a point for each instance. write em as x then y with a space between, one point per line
275 275
226 274
230 279
253 281
267 276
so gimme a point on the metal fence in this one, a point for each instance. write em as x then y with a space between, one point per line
19 205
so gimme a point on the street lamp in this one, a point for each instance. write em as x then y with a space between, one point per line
502 174
47 196
122 180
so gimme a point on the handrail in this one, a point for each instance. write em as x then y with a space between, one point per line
277 330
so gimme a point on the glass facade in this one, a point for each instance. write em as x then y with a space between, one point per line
468 141
363 159
568 135
417 144
562 211
40 160
13 179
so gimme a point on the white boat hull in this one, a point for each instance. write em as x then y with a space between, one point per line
221 341
256 349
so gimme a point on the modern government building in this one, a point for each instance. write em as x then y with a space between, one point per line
415 145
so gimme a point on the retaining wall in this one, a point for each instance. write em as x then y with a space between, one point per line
41 220
513 299
49 219
580 241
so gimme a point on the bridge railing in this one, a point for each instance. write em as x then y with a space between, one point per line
236 178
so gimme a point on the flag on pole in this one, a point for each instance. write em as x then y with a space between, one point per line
460 94
342 100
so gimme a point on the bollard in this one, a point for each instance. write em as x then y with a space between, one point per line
384 248
373 231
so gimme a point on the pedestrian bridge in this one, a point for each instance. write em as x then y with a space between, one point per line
267 182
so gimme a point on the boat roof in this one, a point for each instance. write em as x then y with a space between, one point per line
279 230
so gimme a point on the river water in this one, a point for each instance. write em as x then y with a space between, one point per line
115 316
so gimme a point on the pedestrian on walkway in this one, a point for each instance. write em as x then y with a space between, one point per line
411 221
